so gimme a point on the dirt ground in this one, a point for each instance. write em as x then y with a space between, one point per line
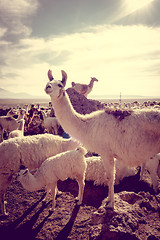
136 214
30 218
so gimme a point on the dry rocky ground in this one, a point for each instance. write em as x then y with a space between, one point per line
136 214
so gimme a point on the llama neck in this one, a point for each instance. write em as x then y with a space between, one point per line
33 183
44 115
91 83
21 116
71 121
21 126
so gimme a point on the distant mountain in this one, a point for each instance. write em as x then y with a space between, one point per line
22 95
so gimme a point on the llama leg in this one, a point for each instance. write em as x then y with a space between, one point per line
153 174
53 191
81 185
110 173
5 180
142 170
2 202
58 192
1 132
47 194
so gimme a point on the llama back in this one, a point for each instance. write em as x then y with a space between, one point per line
64 165
38 148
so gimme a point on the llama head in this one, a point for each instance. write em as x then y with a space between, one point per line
55 88
93 79
22 173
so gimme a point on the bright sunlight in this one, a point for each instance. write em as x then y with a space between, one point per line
134 5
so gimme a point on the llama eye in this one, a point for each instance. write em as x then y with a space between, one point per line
59 85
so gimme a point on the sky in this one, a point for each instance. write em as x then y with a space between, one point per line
116 41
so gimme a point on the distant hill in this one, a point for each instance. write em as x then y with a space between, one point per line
4 94
8 94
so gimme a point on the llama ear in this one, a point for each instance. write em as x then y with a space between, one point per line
26 171
22 167
73 84
64 78
50 75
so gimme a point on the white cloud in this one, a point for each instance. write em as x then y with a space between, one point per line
124 59
18 8
13 13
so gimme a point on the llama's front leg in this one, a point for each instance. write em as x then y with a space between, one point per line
81 185
110 174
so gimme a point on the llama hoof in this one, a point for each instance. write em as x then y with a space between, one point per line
51 210
5 214
44 201
109 205
59 193
78 201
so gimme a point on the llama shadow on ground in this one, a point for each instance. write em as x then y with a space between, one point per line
18 230
64 233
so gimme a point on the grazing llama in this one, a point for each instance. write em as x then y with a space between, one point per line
69 164
30 151
131 136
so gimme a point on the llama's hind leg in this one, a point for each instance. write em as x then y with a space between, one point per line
110 173
53 188
1 134
47 194
81 185
3 202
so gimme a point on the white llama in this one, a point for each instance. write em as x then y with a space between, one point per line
70 164
50 123
130 136
20 131
84 89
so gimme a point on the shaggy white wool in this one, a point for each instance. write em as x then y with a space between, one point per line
60 167
95 171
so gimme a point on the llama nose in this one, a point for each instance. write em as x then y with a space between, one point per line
49 86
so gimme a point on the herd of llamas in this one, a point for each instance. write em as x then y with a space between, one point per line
123 138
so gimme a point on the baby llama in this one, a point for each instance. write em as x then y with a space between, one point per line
129 136
70 164
30 151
